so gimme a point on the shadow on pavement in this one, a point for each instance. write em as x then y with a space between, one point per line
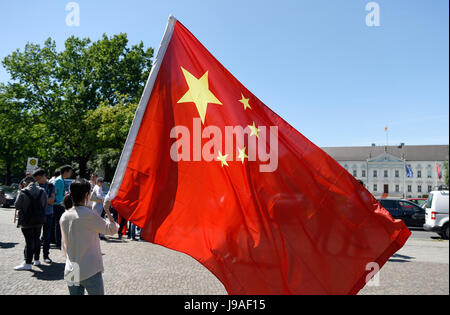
400 258
7 245
437 238
52 272
114 240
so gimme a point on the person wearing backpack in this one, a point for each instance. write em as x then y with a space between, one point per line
30 206
40 177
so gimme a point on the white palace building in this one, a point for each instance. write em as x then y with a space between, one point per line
382 169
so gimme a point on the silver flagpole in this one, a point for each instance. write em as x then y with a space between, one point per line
404 177
129 144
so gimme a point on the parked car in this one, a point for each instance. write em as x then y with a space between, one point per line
9 196
409 212
436 213
419 201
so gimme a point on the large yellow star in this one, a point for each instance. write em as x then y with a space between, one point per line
198 93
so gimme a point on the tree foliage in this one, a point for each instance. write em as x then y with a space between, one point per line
17 133
72 106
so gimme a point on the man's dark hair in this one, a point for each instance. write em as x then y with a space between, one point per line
57 173
65 169
78 190
39 172
28 179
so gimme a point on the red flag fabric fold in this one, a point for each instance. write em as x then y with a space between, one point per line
210 171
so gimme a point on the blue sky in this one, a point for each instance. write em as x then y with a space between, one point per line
314 62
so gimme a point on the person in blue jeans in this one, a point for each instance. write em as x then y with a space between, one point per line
93 285
41 178
132 231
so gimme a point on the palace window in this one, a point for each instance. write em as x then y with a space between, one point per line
386 173
375 173
397 173
375 187
363 173
419 174
409 188
419 188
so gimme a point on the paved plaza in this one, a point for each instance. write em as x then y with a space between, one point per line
421 267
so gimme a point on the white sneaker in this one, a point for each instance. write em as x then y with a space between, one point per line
23 266
37 263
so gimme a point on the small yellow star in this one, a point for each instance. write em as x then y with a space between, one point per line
242 156
245 102
254 131
223 159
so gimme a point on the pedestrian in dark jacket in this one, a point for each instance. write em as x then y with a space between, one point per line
30 206
40 177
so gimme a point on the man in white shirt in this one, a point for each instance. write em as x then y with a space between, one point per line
93 182
81 245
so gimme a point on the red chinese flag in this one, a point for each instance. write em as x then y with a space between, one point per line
210 171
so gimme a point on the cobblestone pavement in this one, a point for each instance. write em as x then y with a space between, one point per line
130 268
421 267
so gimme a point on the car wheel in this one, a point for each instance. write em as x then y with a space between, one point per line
445 231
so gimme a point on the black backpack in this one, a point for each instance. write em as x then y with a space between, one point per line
35 213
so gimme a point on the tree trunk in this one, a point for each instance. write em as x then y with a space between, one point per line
82 163
8 173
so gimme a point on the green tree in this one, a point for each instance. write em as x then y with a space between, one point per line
110 129
61 90
18 135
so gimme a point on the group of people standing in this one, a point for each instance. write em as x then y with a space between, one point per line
44 219
73 220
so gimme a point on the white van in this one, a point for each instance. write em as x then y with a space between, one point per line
436 213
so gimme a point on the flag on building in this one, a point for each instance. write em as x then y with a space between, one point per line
439 173
210 171
409 172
